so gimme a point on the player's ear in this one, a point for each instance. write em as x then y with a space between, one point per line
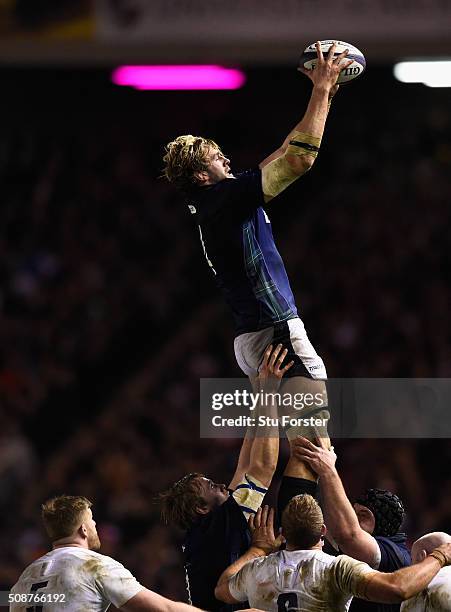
202 509
422 555
82 531
323 531
201 177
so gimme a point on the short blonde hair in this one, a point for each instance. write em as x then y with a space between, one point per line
63 515
302 522
185 156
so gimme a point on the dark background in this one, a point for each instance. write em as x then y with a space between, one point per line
109 315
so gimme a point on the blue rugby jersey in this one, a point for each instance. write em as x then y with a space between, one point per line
238 243
213 544
394 555
217 540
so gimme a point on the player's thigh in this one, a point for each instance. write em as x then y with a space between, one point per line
250 348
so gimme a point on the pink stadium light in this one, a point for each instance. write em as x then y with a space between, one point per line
178 77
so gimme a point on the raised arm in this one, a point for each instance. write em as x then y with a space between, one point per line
259 452
244 459
264 451
408 581
300 148
339 515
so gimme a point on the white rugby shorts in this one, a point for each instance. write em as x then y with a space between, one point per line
250 348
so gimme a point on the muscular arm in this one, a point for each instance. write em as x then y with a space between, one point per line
284 166
148 601
342 522
243 461
289 162
260 449
282 150
402 584
339 515
264 452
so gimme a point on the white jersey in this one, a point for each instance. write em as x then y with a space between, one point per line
74 579
435 598
304 580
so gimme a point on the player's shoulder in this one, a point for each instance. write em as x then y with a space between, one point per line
263 569
94 560
69 555
223 515
345 565
342 558
314 562
31 568
311 554
442 578
75 552
240 181
247 178
394 552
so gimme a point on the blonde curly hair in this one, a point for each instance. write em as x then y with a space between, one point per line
185 156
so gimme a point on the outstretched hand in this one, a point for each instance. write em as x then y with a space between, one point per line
261 525
319 457
327 69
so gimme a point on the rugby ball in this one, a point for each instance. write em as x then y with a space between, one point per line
310 56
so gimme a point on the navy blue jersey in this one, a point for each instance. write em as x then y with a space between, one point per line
394 556
211 545
239 246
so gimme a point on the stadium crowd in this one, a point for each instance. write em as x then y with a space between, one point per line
109 316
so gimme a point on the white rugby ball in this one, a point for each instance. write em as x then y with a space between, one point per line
309 58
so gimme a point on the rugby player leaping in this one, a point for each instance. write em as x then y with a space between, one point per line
237 238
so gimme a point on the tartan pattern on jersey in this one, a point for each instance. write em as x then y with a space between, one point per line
274 307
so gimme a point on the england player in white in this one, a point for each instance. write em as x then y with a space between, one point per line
74 577
437 596
303 577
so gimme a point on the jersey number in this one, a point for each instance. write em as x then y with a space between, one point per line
287 601
34 588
